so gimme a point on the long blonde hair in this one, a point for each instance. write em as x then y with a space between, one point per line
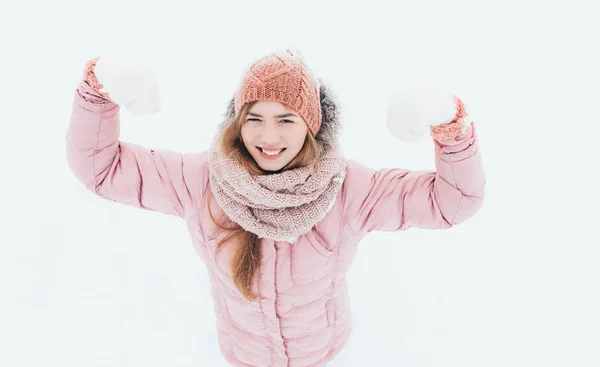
246 257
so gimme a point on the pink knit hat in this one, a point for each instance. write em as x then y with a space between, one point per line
283 78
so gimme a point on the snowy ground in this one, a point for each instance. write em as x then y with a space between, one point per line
86 282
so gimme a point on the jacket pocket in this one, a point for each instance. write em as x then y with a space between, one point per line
312 258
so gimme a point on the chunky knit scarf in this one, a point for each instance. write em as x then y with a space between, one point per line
279 206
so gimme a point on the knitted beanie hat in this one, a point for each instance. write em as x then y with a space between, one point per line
283 78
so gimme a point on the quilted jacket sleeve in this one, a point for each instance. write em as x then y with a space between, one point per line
394 199
157 180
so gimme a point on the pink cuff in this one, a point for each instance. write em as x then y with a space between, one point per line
90 77
456 127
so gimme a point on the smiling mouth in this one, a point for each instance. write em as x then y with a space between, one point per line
270 154
271 151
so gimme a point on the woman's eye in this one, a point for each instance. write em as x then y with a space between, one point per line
284 120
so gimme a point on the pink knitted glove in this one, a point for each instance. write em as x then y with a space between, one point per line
412 112
90 77
456 127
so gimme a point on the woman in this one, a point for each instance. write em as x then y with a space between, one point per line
273 208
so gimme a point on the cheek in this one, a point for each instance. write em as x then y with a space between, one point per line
300 141
246 134
299 137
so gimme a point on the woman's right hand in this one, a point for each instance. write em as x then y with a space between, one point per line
127 80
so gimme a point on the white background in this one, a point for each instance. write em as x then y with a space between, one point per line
87 282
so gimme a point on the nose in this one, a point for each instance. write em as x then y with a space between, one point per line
270 134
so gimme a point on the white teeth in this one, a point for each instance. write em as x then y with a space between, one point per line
271 152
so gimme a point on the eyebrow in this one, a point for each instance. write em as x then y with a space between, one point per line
278 116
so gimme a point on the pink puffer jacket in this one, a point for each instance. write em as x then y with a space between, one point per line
302 318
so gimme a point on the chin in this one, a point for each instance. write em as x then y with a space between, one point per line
272 168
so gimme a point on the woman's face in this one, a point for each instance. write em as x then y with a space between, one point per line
273 134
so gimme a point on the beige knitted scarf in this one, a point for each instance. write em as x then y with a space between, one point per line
279 206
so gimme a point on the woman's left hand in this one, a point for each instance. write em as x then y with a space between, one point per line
412 112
